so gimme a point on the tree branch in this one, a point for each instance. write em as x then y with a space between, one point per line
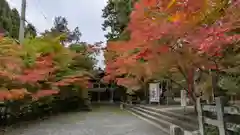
182 72
175 82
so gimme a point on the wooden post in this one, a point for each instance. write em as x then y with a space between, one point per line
121 105
111 96
214 83
160 92
200 116
220 116
99 97
167 91
130 97
190 81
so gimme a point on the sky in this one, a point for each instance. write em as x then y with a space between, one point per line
86 14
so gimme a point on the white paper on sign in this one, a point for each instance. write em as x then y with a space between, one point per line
154 92
183 98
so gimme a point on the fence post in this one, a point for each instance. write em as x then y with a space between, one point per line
175 130
121 105
200 116
220 116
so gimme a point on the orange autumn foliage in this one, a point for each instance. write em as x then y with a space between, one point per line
74 79
41 70
14 72
157 30
44 93
14 94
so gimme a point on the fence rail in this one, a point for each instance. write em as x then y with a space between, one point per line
220 111
227 110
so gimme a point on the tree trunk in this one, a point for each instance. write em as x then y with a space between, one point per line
193 99
145 89
191 90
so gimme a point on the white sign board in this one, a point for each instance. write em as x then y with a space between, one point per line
183 98
154 92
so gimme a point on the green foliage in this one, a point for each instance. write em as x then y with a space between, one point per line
136 50
116 15
82 62
79 48
229 79
15 23
30 31
230 83
6 16
211 130
60 29
35 47
10 21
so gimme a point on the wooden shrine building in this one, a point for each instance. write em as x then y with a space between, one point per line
99 91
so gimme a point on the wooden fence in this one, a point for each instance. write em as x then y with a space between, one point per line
220 112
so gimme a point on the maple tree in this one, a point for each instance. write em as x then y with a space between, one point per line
40 68
169 38
41 75
10 61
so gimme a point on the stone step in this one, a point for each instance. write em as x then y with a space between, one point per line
184 124
162 125
192 121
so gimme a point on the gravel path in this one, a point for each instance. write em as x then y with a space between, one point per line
101 121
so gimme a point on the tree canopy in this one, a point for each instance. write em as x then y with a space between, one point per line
60 28
116 17
174 38
10 21
42 66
